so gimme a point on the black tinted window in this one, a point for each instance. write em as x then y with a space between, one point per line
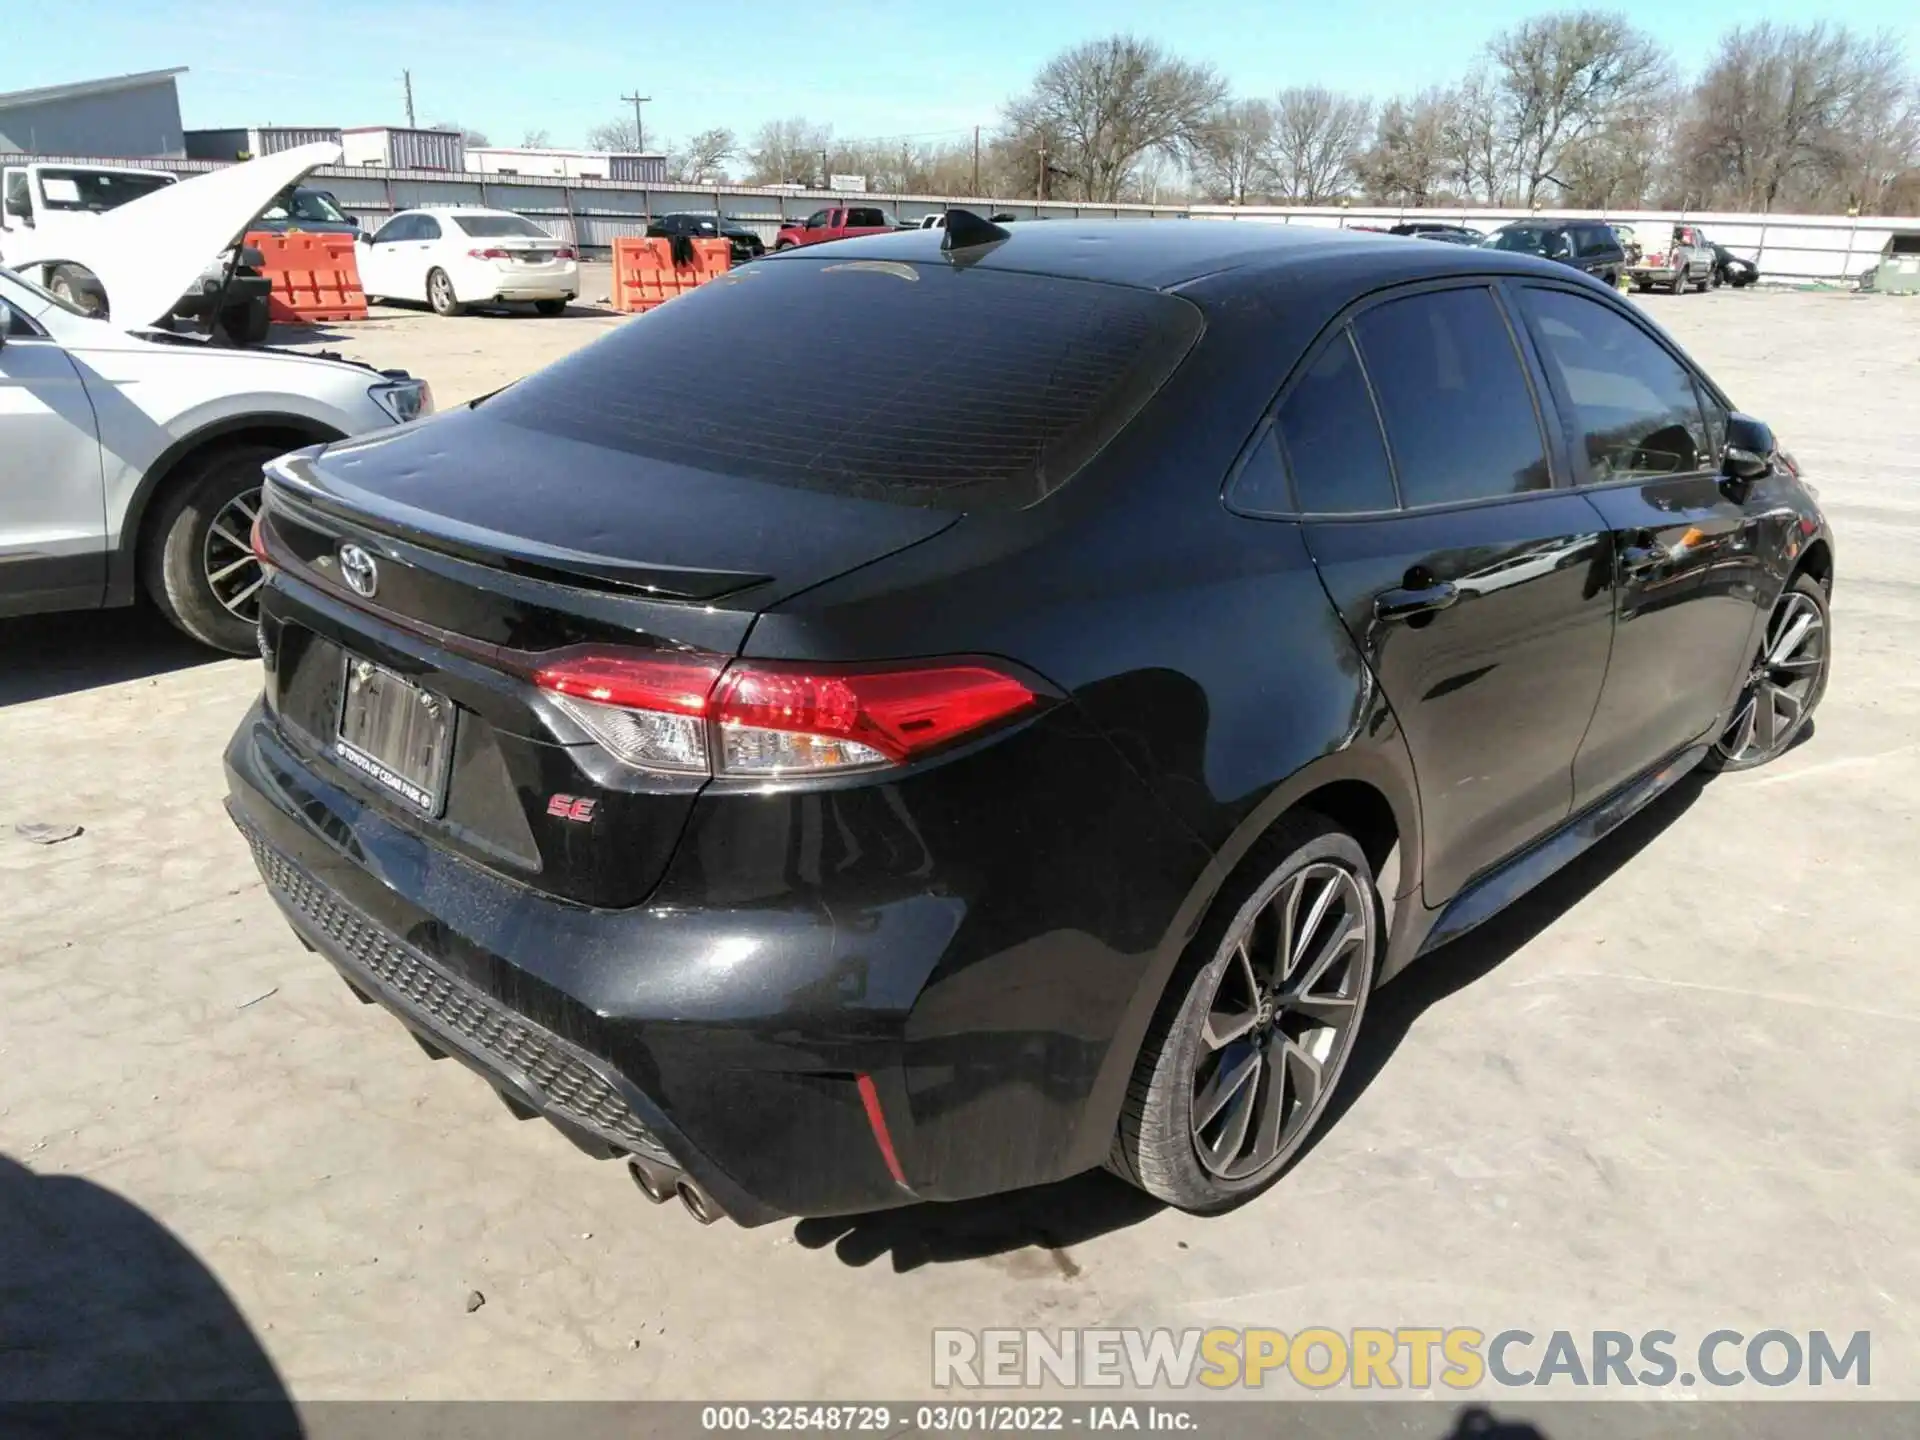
1455 400
425 227
1331 439
1594 240
1635 404
1031 376
395 229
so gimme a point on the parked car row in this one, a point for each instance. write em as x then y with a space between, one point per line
1687 261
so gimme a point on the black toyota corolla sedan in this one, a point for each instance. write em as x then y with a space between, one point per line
1023 740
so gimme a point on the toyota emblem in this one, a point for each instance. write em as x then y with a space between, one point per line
359 571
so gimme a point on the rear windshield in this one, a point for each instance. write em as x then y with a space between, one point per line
495 226
922 384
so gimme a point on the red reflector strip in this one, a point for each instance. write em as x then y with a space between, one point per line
877 1121
257 538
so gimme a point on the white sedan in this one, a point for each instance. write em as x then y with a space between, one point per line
457 256
130 462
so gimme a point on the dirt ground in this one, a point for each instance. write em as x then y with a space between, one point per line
1674 1088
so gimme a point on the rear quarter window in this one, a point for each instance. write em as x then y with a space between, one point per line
921 384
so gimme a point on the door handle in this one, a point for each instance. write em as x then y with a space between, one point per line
1403 604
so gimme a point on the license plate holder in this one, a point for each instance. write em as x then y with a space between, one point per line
395 734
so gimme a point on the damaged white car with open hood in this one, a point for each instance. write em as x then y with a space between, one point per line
144 247
130 458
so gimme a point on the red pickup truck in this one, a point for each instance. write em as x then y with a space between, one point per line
836 224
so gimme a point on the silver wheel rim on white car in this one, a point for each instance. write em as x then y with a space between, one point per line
441 289
227 560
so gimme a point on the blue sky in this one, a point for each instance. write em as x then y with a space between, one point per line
868 68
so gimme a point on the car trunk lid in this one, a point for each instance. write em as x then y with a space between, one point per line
457 557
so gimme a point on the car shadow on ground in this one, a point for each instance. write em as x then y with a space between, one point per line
1391 1012
109 1325
46 655
1048 1219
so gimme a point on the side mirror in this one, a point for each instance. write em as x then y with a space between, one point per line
20 210
361 237
6 323
1749 451
353 220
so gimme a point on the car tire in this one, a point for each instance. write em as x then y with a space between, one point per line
440 293
248 323
1255 1079
184 558
783 245
1680 282
1641 287
78 288
1784 684
549 307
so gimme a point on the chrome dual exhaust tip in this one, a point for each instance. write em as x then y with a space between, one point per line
659 1183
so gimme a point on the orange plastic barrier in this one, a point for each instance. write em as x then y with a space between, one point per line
315 277
644 274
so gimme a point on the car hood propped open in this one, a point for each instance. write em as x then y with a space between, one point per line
148 252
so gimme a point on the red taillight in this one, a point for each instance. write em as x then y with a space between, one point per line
565 252
668 713
257 539
489 254
895 714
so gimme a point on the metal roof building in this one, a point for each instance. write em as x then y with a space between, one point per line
122 115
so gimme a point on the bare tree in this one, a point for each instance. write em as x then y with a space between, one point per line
472 137
1560 78
1317 138
1630 160
1104 105
1478 155
1230 152
1407 163
1814 116
789 151
616 136
536 140
702 159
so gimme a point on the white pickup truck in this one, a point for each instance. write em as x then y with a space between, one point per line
101 237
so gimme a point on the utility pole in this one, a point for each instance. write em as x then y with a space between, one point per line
1040 186
639 128
976 162
823 170
406 79
903 167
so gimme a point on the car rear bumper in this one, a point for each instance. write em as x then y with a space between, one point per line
1655 274
783 977
592 1018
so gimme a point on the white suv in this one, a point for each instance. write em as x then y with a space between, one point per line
131 461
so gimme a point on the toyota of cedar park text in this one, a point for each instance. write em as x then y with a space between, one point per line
964 765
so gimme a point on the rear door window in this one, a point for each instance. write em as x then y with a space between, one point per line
425 227
1637 411
1033 375
1330 438
1459 413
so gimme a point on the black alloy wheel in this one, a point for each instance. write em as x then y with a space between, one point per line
1231 1083
1784 684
